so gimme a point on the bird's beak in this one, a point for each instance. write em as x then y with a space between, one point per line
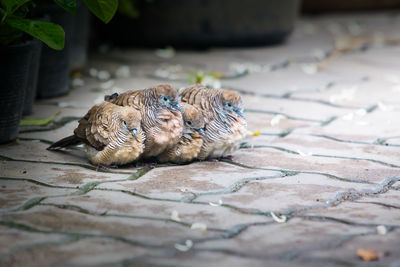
201 131
177 107
241 114
134 134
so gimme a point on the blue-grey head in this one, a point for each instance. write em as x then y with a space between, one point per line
167 97
232 103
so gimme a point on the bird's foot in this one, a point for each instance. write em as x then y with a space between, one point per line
105 168
229 157
146 164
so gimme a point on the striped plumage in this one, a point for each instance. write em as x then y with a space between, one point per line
161 116
189 145
225 122
112 135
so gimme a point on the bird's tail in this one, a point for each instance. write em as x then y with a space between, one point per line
65 142
110 97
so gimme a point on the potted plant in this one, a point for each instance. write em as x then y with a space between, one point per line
55 65
16 51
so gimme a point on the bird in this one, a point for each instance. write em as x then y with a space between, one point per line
226 123
190 143
111 134
161 116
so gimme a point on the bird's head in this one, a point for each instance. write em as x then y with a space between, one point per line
193 119
167 97
232 103
130 120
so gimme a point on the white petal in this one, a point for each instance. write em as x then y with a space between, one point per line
381 229
123 72
200 226
175 216
188 245
276 119
78 82
309 69
216 204
348 117
361 112
280 219
168 52
103 75
93 72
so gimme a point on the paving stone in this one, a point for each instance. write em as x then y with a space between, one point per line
86 252
14 242
355 128
274 124
52 135
211 258
36 151
291 108
323 147
176 182
140 232
57 174
295 192
390 199
270 241
326 157
114 203
15 194
350 169
360 213
29 151
386 244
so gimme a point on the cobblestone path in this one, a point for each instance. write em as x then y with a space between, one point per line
320 181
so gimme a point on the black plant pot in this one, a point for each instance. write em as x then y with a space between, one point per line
31 87
14 70
79 38
203 23
55 65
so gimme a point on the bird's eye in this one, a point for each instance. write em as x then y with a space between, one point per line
189 122
166 99
229 105
124 123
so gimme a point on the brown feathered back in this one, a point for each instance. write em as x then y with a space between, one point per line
161 118
223 113
191 141
111 133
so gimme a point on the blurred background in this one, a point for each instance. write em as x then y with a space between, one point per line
166 25
203 23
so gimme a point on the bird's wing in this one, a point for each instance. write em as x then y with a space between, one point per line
130 98
93 129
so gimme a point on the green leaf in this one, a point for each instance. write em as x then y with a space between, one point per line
69 5
12 5
127 8
51 34
103 9
38 122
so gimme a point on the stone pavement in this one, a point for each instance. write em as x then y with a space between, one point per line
320 181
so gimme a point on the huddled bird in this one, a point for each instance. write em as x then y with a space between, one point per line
225 122
112 135
161 116
189 145
158 123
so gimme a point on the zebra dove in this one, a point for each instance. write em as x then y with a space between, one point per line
191 141
112 135
161 116
225 122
